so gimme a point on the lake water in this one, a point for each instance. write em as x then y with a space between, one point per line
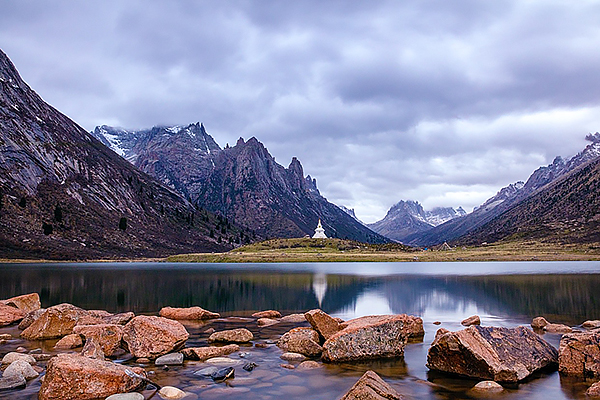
501 293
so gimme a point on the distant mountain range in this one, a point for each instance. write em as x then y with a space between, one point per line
408 218
543 180
243 183
64 195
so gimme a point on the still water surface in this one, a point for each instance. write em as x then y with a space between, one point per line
502 294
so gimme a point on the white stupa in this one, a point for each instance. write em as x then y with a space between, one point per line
319 231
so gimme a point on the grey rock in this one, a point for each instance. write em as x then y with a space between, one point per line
223 374
170 359
12 382
126 396
206 371
20 368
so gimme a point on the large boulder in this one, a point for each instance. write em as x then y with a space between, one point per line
322 323
301 340
240 335
74 377
151 337
371 387
491 353
190 313
26 303
30 318
204 353
374 336
57 321
108 336
579 354
10 315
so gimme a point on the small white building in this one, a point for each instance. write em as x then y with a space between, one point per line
319 231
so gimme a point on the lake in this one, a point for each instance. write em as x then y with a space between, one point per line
501 293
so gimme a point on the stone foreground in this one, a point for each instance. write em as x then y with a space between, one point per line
371 387
491 353
579 354
377 336
75 377
152 337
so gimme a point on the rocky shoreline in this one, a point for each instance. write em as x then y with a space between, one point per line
99 355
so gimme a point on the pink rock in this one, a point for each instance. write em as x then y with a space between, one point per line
55 322
10 315
152 337
204 353
74 377
267 314
579 354
322 323
69 342
108 336
301 340
371 387
26 302
190 313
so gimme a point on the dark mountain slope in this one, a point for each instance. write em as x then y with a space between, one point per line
507 197
566 211
243 182
65 195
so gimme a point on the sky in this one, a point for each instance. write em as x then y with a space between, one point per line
442 102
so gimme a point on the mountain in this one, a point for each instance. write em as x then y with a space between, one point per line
243 183
565 211
407 218
508 197
63 195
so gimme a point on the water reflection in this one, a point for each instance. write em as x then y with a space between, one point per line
568 299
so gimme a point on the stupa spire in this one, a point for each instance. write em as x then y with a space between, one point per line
319 231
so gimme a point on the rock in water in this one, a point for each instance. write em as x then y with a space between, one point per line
171 393
190 313
30 318
57 321
240 335
249 366
170 359
491 353
594 390
109 336
487 387
13 356
223 374
371 387
10 315
579 354
151 337
126 396
558 328
20 368
74 377
375 336
69 342
591 324
26 303
301 340
472 320
322 323
204 353
539 323
267 314
12 382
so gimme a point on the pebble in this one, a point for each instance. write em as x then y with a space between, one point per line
126 396
437 323
12 357
20 368
206 371
42 356
12 382
170 359
488 387
209 331
223 361
305 365
21 349
244 354
143 360
250 366
223 374
171 393
287 366
5 336
261 345
292 357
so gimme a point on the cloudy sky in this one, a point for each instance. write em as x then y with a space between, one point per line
443 102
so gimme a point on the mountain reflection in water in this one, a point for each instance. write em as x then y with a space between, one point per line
569 298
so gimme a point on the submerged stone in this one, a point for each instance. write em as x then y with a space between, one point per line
223 374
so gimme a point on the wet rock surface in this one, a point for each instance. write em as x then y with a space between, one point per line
190 313
491 353
70 377
151 337
240 335
371 386
579 354
382 336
